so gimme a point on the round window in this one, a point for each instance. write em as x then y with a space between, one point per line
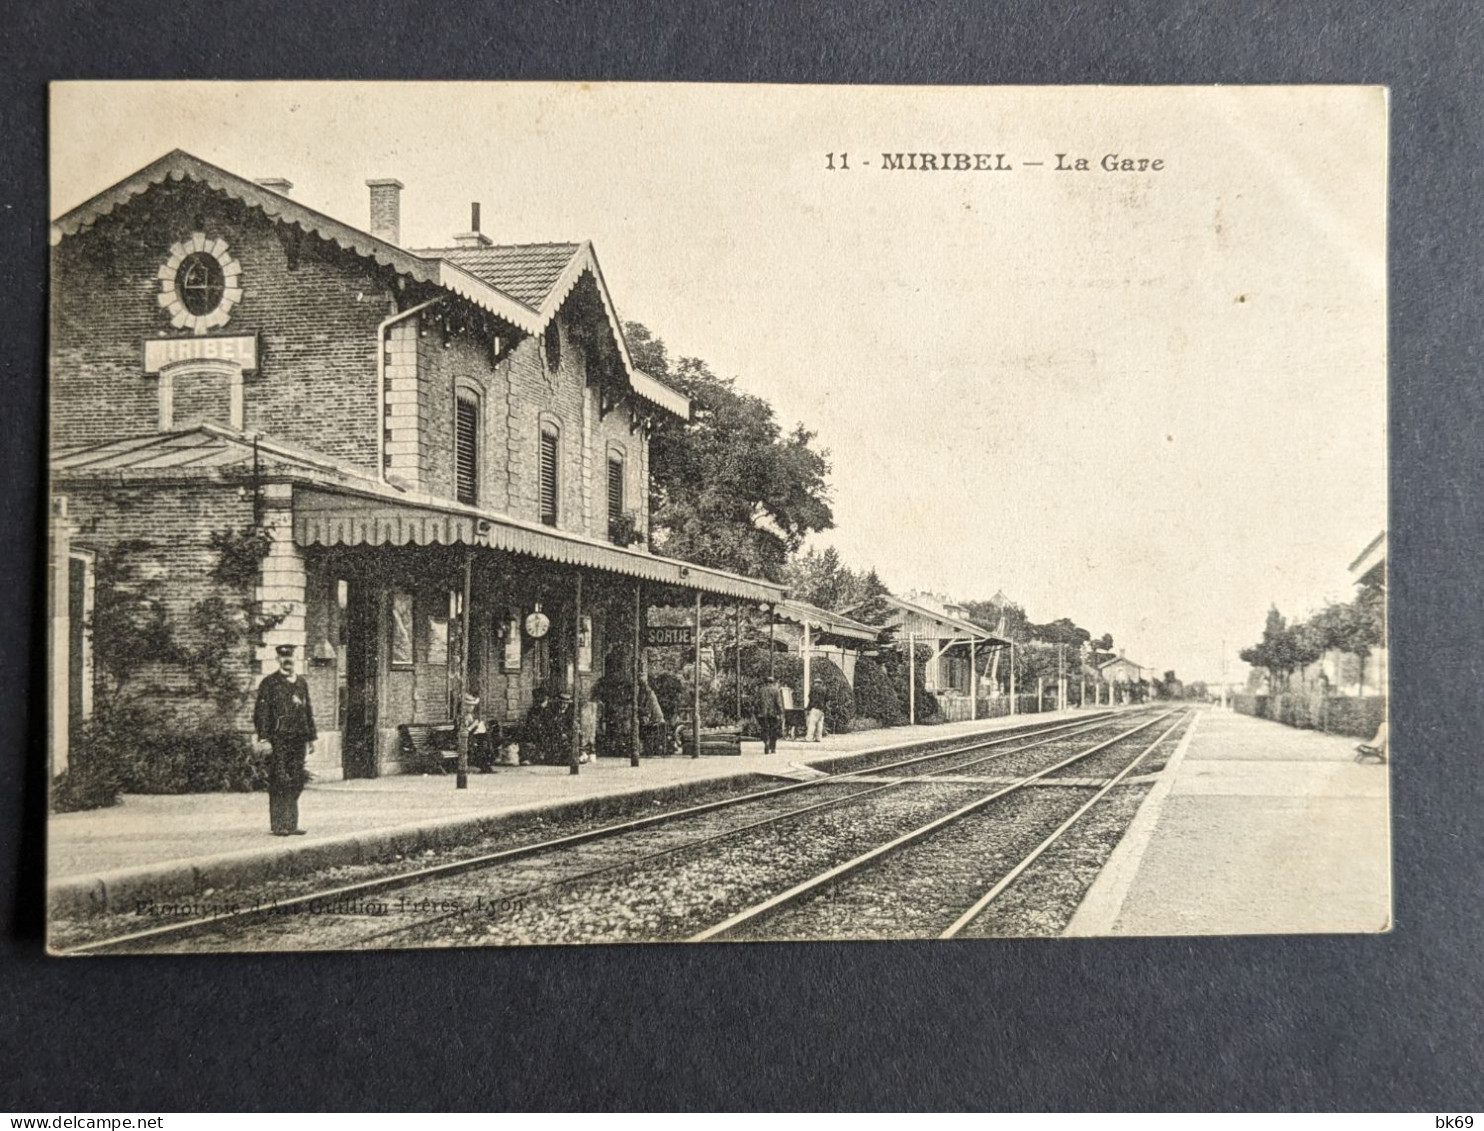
200 283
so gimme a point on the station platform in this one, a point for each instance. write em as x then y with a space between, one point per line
154 846
1253 828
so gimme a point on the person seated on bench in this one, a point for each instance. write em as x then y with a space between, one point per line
481 754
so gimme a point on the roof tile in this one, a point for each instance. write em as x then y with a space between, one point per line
524 271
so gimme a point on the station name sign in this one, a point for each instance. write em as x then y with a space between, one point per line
241 350
669 635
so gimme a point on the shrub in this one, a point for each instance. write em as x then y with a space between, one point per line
670 691
839 705
135 749
212 759
875 697
91 780
895 663
1355 717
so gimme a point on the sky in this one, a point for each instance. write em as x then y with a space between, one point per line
1154 402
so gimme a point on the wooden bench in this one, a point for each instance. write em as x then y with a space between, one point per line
723 742
428 748
433 748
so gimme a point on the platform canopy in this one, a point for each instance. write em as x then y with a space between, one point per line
335 506
336 516
828 626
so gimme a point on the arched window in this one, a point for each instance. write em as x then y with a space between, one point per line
553 343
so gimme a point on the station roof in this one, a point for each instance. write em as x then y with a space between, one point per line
528 271
538 276
951 626
826 621
336 506
1368 565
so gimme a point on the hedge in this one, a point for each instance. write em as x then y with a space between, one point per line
1335 714
131 749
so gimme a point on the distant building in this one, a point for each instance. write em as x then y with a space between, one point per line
808 631
955 644
1122 676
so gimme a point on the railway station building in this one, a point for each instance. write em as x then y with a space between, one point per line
813 633
426 469
959 649
1119 679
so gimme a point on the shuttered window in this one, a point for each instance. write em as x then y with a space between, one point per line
550 443
615 491
466 451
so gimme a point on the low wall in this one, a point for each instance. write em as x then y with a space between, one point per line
1335 714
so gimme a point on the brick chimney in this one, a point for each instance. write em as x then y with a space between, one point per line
386 209
473 237
277 184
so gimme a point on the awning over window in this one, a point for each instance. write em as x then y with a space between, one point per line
348 518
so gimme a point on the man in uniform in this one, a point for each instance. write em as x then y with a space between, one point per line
284 722
770 714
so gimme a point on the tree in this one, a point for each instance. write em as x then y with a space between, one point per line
730 488
1284 648
823 579
872 608
1353 627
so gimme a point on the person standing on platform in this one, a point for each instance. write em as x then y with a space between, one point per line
770 714
817 702
284 722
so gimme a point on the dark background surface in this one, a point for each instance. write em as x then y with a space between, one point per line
1226 1023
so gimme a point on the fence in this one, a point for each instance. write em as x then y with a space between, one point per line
1334 714
955 709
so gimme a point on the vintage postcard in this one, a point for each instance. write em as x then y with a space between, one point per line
564 513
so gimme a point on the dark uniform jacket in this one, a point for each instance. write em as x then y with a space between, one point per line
770 701
283 710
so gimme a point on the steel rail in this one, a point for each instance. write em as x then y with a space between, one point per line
700 842
1015 873
806 886
455 867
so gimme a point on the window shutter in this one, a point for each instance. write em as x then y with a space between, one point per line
466 451
549 478
615 488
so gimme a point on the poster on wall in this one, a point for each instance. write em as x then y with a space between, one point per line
401 629
585 645
511 662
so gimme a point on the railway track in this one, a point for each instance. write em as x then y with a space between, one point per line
500 885
911 885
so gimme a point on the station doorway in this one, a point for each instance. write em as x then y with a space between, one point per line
362 668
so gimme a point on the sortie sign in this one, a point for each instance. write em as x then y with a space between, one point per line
669 635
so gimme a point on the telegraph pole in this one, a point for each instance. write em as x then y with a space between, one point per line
1061 677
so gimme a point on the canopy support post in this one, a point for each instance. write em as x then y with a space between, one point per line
462 780
696 721
575 758
635 738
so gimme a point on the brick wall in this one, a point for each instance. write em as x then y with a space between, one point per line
176 520
466 362
316 318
